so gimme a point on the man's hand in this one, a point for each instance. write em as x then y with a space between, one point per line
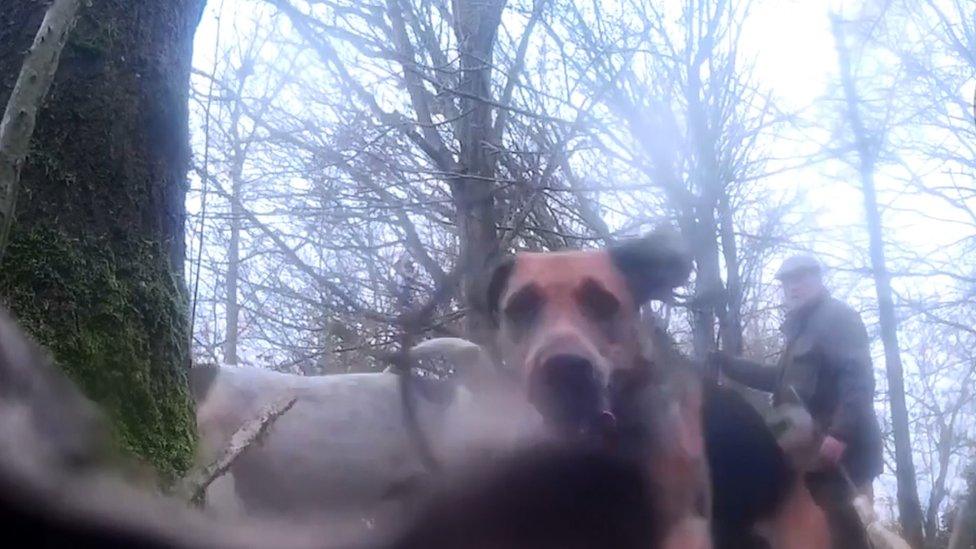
832 450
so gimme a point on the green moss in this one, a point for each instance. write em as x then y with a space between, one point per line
113 317
98 233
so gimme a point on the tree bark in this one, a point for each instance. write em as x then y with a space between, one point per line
708 282
476 24
93 269
909 507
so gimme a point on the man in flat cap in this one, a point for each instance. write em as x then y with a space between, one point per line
826 368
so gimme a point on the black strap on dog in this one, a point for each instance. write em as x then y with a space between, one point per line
410 317
403 364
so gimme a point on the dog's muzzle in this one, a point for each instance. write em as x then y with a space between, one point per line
568 392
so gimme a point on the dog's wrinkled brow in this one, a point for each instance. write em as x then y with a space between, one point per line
597 298
524 300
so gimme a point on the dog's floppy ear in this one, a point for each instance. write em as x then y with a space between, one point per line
500 271
653 264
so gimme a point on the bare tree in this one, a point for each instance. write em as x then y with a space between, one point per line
914 66
910 510
684 117
388 140
443 164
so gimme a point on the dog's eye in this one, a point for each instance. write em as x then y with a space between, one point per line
523 306
597 302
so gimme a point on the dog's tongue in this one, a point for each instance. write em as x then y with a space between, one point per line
605 428
594 429
573 402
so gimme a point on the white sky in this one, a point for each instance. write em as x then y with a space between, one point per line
793 48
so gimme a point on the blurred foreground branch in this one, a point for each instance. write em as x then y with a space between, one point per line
194 486
58 486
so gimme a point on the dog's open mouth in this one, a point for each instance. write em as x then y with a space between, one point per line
570 395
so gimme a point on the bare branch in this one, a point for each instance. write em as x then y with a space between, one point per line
25 101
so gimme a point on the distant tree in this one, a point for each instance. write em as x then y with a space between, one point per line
909 508
680 114
912 65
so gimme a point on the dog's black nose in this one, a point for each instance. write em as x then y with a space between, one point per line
568 366
567 390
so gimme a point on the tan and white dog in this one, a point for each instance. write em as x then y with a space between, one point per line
343 446
580 370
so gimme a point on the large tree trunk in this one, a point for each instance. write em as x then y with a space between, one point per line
476 25
711 297
909 507
94 265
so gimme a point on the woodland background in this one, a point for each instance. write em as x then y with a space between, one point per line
354 166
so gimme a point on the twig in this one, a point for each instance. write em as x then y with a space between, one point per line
17 124
205 179
194 486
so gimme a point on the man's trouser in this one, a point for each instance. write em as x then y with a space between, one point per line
834 494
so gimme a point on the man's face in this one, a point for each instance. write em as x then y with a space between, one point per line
801 288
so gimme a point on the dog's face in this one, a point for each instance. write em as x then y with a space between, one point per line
567 321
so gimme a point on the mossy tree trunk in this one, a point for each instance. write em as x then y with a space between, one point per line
94 266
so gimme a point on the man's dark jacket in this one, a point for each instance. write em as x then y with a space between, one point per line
827 364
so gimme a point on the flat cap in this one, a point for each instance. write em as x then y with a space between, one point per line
798 264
